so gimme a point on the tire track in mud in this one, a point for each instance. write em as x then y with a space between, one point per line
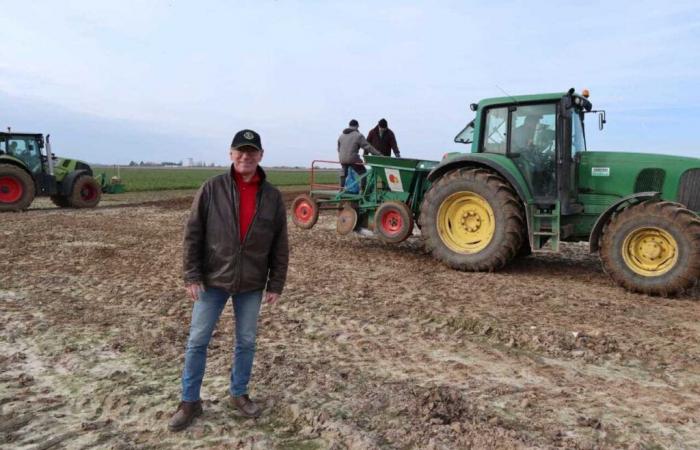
372 346
478 358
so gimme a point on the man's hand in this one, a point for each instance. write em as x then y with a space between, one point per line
193 290
271 298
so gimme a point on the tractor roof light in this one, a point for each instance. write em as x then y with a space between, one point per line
586 93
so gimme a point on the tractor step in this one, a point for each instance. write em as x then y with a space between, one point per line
544 229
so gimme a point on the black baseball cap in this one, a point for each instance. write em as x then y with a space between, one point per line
246 138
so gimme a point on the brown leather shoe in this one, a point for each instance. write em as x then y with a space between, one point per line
184 415
246 406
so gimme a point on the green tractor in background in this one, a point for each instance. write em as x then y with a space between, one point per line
530 183
28 169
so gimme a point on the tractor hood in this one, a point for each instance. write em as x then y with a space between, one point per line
676 178
65 166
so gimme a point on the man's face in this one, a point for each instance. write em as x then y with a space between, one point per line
245 160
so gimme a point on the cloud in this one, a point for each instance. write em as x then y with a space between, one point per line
298 71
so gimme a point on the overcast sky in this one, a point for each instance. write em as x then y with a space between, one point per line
114 81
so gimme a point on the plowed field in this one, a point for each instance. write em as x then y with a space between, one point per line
371 346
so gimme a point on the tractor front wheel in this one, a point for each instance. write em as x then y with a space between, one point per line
472 220
653 248
16 188
86 192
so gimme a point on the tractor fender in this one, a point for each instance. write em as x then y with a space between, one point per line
68 180
619 205
7 159
472 161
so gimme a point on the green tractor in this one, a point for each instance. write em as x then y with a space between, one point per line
28 169
529 183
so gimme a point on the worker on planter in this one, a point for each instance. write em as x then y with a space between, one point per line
383 139
349 144
235 246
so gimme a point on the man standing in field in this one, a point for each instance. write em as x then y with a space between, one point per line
235 247
383 139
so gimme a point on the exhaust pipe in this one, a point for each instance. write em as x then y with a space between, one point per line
49 154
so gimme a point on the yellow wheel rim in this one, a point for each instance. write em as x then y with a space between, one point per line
466 223
650 251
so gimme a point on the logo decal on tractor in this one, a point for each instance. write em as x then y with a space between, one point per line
600 171
394 178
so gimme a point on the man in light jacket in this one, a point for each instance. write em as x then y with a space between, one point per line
349 144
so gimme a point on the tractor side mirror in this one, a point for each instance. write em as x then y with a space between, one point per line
601 119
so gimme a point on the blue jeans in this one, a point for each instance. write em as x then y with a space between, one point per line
205 315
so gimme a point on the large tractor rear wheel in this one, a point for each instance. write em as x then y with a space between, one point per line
86 192
653 248
16 188
472 220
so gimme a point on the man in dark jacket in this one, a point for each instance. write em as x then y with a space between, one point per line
235 247
349 144
383 139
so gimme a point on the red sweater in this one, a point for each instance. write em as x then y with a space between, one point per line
247 195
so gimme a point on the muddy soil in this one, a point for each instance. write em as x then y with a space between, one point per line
372 346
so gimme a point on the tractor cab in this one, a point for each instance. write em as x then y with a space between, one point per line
27 148
541 135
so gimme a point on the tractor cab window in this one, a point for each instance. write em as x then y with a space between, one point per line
578 141
496 131
466 135
26 150
533 144
2 147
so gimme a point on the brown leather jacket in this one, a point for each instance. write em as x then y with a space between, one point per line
213 253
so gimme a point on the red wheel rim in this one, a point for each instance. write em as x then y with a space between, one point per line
304 211
88 193
392 222
11 189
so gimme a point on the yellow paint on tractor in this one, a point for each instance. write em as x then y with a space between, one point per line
650 251
466 223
